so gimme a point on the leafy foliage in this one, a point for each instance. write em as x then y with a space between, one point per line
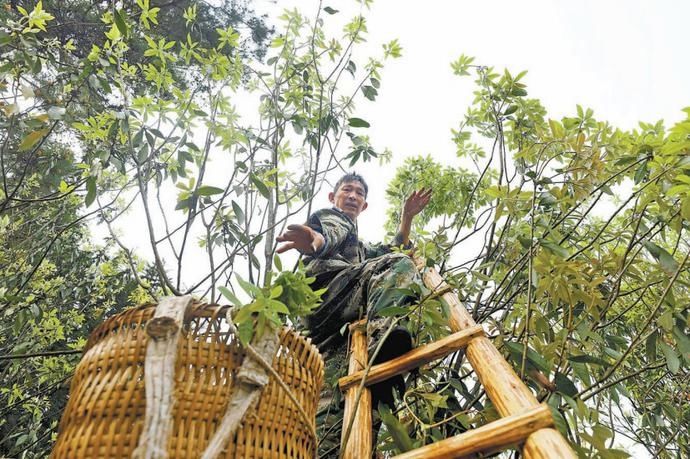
581 270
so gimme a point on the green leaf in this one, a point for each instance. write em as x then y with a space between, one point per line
510 110
358 122
120 23
276 291
32 139
393 311
685 208
559 421
245 331
650 346
398 431
207 190
261 186
586 358
230 296
369 92
518 92
4 39
556 129
255 260
279 307
22 348
640 173
238 213
251 289
90 191
143 153
554 248
565 385
330 10
613 453
671 357
625 160
535 359
666 261
390 297
184 203
665 320
461 65
683 343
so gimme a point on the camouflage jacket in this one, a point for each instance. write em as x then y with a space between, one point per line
343 247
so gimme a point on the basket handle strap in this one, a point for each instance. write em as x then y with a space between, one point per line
250 381
163 330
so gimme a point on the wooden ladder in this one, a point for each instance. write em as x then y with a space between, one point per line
523 419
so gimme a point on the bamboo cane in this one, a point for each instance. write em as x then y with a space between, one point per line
413 359
494 436
503 386
359 443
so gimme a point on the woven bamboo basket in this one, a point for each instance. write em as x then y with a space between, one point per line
105 413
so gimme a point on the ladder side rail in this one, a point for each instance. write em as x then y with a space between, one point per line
356 439
502 385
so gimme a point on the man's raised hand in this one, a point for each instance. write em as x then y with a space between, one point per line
302 238
416 202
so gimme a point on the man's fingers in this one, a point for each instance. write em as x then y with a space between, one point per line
421 193
285 247
293 232
286 236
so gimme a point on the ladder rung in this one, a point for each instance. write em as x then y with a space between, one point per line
492 437
413 359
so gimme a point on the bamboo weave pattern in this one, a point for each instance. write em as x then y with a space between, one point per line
104 415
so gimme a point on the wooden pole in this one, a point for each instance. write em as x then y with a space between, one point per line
490 437
412 359
159 376
503 386
359 442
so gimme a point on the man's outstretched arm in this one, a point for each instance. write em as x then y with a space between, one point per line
302 238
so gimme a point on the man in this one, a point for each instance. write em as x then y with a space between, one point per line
362 279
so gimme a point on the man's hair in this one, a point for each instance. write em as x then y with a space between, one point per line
351 177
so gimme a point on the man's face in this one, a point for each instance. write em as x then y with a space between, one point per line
350 198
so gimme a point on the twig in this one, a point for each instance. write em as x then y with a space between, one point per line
41 354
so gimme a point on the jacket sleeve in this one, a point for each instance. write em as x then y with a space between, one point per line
376 250
335 228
